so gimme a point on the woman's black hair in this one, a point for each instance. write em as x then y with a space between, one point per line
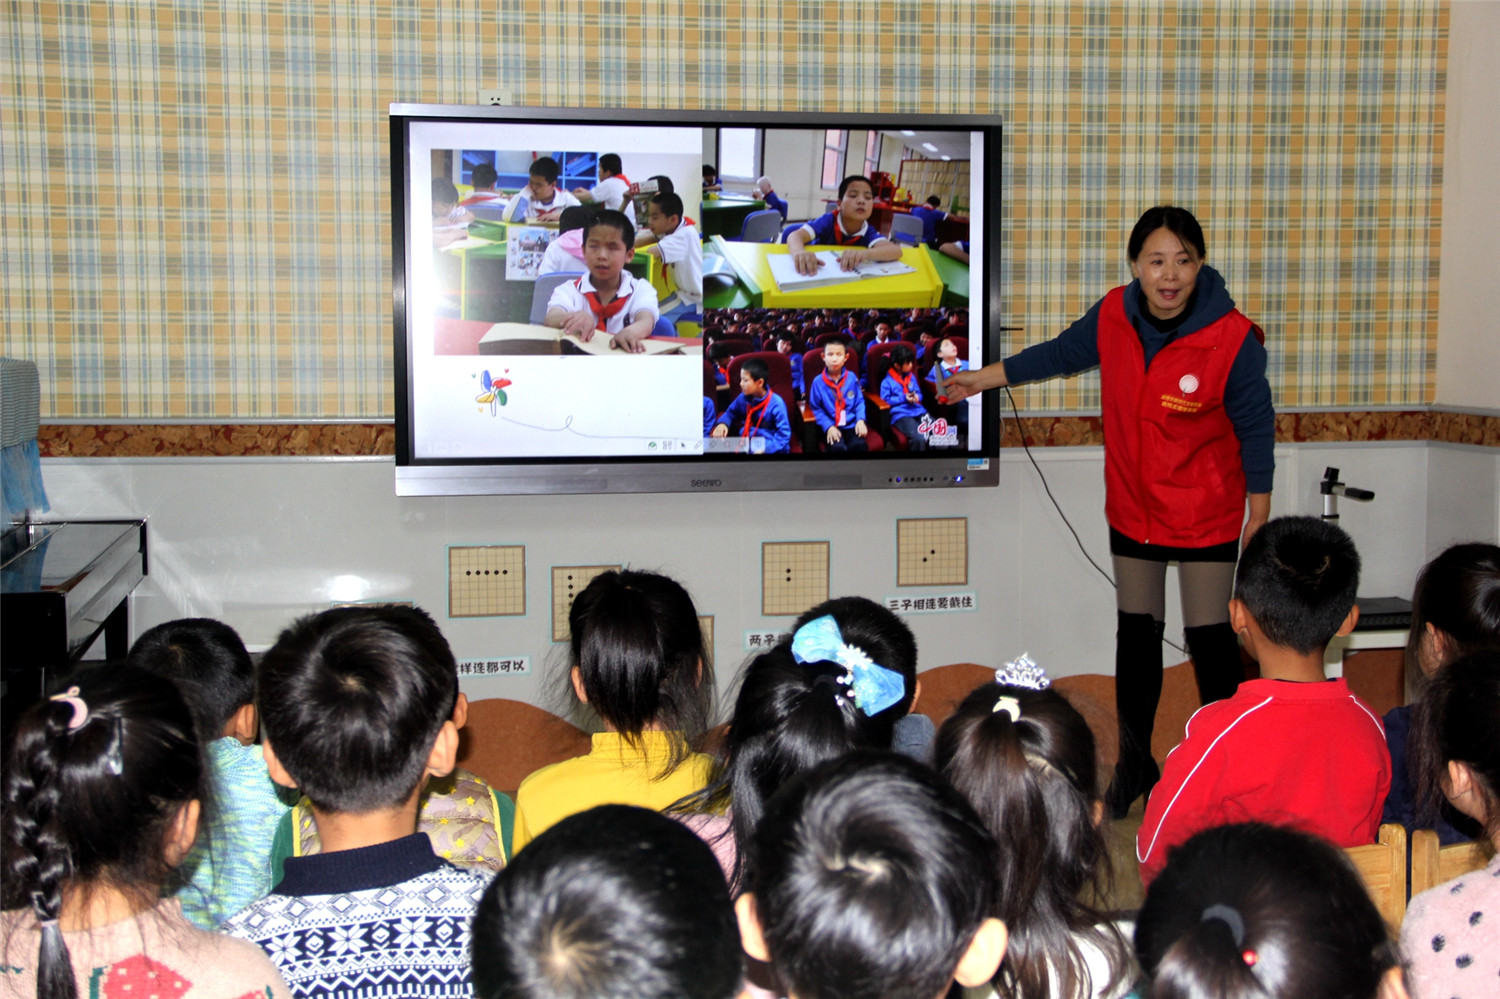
1458 720
1178 221
208 662
871 877
638 648
617 902
92 805
1033 779
788 718
1458 593
1253 911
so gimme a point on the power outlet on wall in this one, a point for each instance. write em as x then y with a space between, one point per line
497 97
567 582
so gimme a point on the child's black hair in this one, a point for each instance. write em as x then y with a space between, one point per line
92 805
871 877
483 176
709 171
1178 221
669 203
351 700
574 217
788 718
844 184
1298 577
1290 901
617 902
664 183
1458 719
610 163
881 634
901 354
842 339
546 168
1030 772
934 200
443 191
720 351
208 662
1458 593
756 369
638 648
614 220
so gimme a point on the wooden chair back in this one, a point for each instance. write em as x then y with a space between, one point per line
1382 866
1432 865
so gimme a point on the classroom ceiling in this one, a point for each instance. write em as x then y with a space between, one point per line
952 144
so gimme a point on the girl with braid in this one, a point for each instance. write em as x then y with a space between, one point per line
103 792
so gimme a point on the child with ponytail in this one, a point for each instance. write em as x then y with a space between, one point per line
103 793
1024 758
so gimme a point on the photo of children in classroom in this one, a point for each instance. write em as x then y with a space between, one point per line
566 251
805 381
837 218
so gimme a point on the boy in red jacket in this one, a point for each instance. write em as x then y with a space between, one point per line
1292 748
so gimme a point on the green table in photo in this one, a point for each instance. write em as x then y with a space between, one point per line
726 216
955 277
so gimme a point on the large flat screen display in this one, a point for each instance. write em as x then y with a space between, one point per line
592 301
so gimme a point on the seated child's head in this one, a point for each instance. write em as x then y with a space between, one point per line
609 165
102 789
875 632
764 185
883 330
639 659
856 200
753 376
483 177
444 197
1455 748
709 173
664 183
665 214
786 342
1455 607
541 179
947 350
616 902
903 358
357 706
1024 758
1297 581
934 201
870 878
835 353
209 663
608 242
1261 911
574 217
721 352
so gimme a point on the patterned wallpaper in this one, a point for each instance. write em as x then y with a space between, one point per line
194 196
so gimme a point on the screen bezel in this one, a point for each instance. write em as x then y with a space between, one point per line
706 472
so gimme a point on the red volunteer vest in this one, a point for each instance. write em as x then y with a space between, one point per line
1172 470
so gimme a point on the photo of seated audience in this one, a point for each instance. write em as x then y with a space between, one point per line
816 357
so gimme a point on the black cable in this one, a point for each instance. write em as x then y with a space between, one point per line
1021 429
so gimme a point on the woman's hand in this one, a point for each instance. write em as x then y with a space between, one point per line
1260 512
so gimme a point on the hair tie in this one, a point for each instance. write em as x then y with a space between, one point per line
1230 917
873 687
1007 706
114 756
80 709
1023 672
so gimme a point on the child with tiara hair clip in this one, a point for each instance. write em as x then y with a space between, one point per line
1024 758
103 790
640 663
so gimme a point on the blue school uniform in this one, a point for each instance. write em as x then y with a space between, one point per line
765 417
797 385
827 232
941 371
772 201
930 218
709 414
825 395
894 392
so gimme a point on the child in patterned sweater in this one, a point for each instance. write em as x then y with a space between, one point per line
357 703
